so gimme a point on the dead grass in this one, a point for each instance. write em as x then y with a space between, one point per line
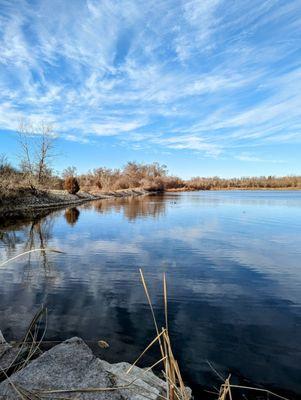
29 346
14 183
174 382
259 182
226 391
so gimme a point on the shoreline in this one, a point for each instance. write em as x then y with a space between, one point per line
233 189
32 204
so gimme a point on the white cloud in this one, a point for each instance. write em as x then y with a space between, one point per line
190 142
253 158
201 19
115 127
188 75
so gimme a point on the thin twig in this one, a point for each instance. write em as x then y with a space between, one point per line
215 371
260 390
165 301
151 308
30 251
144 351
11 383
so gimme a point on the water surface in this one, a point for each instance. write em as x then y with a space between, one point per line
234 275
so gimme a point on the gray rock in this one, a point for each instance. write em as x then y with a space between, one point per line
144 384
71 365
8 354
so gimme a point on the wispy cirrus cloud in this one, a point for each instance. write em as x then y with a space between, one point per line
253 158
190 142
204 76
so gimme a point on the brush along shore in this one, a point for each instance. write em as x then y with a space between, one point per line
29 202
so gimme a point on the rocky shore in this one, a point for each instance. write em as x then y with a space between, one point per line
30 203
69 370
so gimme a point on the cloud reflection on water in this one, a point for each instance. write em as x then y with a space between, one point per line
234 280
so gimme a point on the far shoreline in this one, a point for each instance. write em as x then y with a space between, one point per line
234 189
29 205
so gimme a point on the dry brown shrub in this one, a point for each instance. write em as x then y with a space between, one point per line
153 184
71 185
121 183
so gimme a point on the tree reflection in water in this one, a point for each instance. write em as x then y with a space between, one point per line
72 215
234 286
132 207
30 235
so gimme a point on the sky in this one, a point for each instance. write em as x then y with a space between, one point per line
208 87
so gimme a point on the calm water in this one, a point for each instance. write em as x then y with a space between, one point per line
234 275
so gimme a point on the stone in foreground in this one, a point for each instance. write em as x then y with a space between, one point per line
71 365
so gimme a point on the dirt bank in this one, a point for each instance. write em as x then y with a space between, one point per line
30 202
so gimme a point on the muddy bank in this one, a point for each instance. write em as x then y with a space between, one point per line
31 204
70 371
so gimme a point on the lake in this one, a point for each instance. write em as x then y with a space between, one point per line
233 265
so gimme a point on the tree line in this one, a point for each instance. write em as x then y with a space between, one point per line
35 172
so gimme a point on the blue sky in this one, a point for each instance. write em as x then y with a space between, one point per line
209 87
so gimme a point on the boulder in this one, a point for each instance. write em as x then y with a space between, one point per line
74 372
142 384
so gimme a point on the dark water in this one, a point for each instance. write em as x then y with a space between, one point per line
234 275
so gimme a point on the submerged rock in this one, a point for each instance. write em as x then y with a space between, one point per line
70 367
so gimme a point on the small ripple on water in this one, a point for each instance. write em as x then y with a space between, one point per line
234 279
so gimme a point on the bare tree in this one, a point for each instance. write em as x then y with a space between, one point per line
44 152
26 164
37 144
69 171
